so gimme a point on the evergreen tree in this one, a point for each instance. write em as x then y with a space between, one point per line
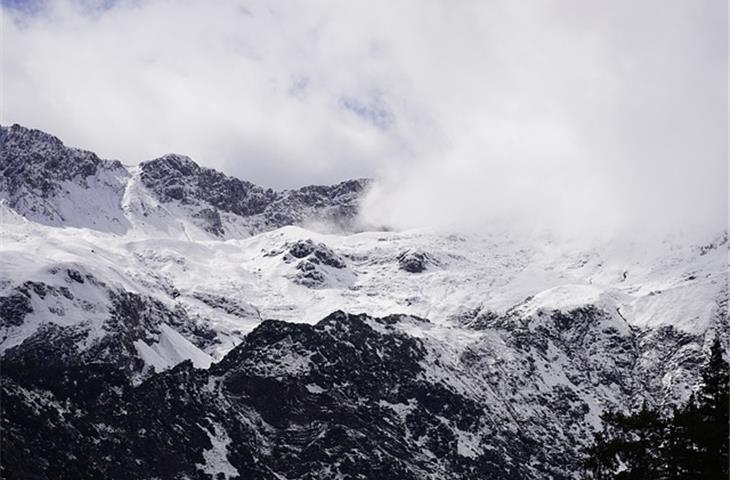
601 462
712 415
680 450
691 443
629 447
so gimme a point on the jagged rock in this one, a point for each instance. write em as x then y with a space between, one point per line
48 182
37 161
352 396
315 263
211 221
345 398
414 261
108 331
13 309
316 253
302 248
178 178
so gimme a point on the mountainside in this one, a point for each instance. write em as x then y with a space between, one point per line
52 184
171 196
169 321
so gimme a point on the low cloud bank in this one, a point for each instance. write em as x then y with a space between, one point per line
581 117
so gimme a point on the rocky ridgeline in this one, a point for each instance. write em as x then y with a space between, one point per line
176 178
91 322
45 181
36 161
50 183
351 397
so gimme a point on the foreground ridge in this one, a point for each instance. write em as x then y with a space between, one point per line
352 396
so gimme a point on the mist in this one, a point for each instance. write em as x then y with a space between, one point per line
598 118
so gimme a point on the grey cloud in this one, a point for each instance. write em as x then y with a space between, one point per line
578 116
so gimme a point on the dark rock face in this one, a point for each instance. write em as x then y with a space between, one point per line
178 178
17 304
346 398
315 253
352 397
38 161
34 166
302 248
14 308
314 261
211 221
39 175
138 317
126 318
336 204
414 261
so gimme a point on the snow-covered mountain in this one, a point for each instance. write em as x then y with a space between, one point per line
170 196
169 321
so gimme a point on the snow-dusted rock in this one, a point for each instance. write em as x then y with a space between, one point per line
414 261
53 184
194 334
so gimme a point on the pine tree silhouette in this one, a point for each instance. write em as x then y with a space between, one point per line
691 443
713 404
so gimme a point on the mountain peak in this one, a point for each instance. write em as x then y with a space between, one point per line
173 161
48 182
29 136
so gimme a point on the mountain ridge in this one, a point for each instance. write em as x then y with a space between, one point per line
40 175
197 336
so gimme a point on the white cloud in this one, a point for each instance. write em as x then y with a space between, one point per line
567 114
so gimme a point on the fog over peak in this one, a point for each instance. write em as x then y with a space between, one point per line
599 117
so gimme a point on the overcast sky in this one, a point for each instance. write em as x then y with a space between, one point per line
576 115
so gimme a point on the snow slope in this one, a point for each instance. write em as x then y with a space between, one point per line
234 284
